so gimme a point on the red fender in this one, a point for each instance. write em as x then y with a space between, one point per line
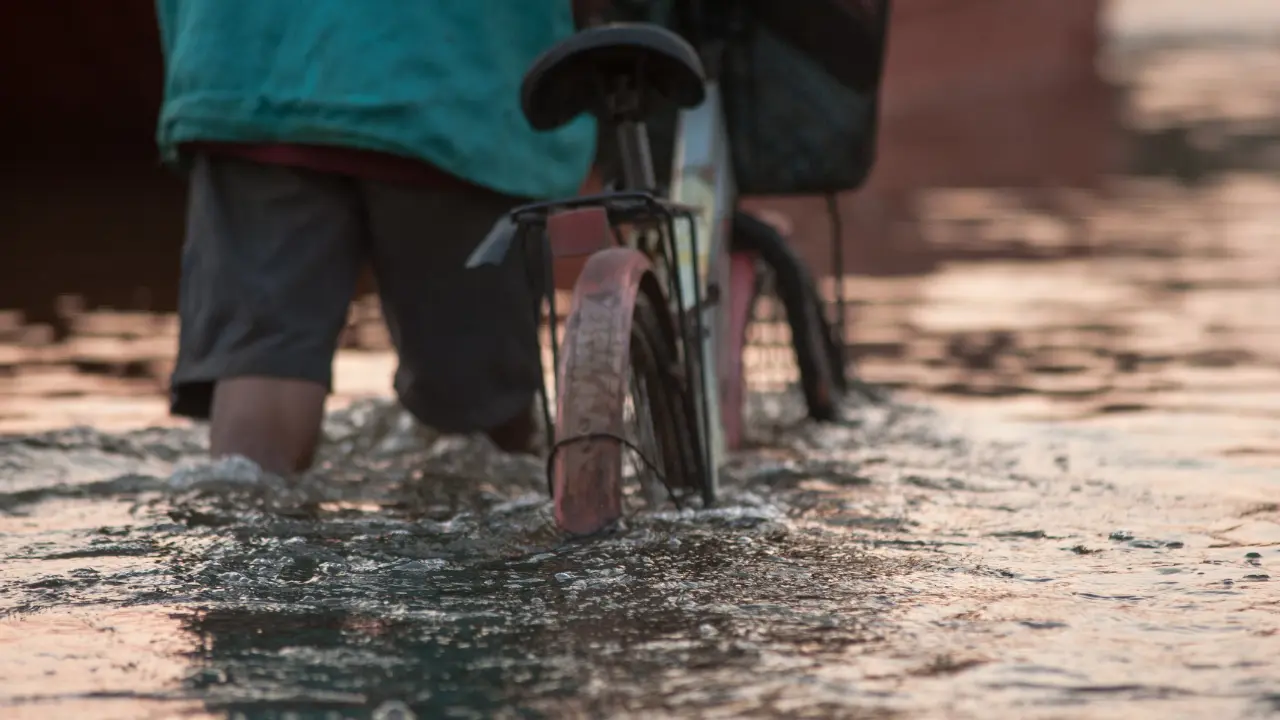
592 379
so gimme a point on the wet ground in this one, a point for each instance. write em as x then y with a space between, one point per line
899 564
1068 510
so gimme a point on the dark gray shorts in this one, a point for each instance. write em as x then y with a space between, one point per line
270 263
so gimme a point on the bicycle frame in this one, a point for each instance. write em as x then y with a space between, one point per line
703 178
684 233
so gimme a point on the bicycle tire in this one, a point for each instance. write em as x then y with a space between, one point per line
657 360
819 356
592 463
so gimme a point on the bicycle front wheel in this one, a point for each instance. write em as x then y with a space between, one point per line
626 437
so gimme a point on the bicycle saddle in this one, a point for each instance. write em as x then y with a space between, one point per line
578 74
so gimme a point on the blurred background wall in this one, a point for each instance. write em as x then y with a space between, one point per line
981 93
978 93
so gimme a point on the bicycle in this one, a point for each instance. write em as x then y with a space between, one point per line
660 309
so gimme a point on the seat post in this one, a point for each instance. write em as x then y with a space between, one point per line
637 162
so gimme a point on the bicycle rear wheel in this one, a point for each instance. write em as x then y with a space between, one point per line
626 435
818 353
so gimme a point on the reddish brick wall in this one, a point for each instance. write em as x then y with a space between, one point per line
994 93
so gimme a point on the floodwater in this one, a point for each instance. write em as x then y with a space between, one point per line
897 564
1067 510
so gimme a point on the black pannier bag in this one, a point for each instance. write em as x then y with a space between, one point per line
800 81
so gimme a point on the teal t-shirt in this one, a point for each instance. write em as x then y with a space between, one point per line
436 80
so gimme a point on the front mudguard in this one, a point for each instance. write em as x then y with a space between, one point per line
592 383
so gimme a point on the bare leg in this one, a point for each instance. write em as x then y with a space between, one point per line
274 422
